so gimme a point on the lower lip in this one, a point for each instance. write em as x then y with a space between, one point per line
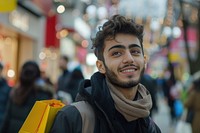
128 73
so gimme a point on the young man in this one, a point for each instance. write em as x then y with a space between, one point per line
64 77
113 100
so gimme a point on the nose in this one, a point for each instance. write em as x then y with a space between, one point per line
128 58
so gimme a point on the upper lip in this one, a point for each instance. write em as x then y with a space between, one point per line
127 67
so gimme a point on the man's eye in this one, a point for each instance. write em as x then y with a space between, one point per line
116 54
136 52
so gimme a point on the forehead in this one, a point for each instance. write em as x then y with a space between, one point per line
122 39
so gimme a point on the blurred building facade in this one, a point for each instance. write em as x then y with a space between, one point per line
21 38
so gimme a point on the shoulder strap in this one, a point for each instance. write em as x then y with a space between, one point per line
151 125
87 115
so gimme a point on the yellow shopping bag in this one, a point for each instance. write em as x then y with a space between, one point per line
41 117
8 5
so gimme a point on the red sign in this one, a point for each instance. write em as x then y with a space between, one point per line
51 40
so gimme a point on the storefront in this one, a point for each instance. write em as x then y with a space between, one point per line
21 39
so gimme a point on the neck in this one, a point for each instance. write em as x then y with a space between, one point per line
129 93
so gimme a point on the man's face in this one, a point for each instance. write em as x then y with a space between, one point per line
124 61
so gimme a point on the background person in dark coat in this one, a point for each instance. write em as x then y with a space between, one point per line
68 81
63 79
62 86
4 94
23 97
192 102
75 78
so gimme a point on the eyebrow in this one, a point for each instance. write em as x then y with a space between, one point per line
123 47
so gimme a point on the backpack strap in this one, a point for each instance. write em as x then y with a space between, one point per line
151 125
87 115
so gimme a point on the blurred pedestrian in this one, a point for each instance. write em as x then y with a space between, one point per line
192 103
113 100
169 85
4 94
75 79
65 86
46 81
23 97
63 80
46 78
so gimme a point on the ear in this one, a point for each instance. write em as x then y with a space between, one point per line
100 66
145 61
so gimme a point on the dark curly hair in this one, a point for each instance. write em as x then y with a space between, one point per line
117 24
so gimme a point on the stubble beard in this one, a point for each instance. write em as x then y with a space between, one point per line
112 77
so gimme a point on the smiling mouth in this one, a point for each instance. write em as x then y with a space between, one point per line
129 70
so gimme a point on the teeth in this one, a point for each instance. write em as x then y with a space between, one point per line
129 70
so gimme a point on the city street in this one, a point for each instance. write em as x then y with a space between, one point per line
162 118
60 48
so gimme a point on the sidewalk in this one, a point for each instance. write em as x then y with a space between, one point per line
162 118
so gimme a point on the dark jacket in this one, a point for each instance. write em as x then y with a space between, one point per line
76 119
63 81
16 114
192 103
75 78
4 96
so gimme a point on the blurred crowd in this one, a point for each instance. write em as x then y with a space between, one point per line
182 99
34 85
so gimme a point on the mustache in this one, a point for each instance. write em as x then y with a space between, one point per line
129 65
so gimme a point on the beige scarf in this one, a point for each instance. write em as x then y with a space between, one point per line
132 110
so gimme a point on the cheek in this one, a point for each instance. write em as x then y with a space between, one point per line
112 63
140 61
142 64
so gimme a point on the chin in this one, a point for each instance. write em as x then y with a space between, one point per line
128 80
